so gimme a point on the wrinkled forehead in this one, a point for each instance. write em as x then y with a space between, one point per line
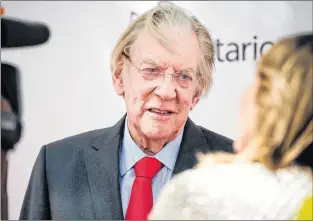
179 49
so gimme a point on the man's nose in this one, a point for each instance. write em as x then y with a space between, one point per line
166 89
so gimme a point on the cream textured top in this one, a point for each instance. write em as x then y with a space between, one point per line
234 191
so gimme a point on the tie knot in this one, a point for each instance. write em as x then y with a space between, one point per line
147 167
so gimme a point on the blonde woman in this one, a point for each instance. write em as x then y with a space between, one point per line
271 176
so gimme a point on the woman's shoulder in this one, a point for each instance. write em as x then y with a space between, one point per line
237 189
236 172
190 193
247 181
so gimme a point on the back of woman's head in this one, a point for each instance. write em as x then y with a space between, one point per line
284 120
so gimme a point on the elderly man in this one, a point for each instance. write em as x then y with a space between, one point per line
161 66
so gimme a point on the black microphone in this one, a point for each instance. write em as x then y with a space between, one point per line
11 119
18 33
14 34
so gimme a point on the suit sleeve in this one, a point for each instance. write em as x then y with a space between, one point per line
36 201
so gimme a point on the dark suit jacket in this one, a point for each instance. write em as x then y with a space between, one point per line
77 178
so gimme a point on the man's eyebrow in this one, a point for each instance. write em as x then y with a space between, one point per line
154 63
189 70
149 61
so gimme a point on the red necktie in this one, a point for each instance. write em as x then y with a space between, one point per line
141 199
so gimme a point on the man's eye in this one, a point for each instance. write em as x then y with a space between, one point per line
152 70
185 77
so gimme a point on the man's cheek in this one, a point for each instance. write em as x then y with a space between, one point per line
138 106
187 105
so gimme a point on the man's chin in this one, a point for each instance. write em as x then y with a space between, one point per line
156 129
156 133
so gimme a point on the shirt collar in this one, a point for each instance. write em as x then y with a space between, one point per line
131 153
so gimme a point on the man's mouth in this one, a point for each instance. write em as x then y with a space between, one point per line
160 112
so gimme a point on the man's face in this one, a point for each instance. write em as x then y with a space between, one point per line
158 109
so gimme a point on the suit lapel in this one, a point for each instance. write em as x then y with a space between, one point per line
193 143
102 163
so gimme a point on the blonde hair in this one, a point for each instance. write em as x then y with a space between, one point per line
173 16
284 122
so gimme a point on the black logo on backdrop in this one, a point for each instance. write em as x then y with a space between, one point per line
241 51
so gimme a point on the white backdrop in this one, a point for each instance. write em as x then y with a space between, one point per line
66 83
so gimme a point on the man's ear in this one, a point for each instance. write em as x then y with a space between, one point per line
195 100
117 79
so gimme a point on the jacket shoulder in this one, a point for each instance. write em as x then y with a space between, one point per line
217 142
78 142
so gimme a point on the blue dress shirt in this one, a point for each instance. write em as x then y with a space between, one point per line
130 154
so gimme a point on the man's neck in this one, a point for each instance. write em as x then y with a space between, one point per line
147 145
